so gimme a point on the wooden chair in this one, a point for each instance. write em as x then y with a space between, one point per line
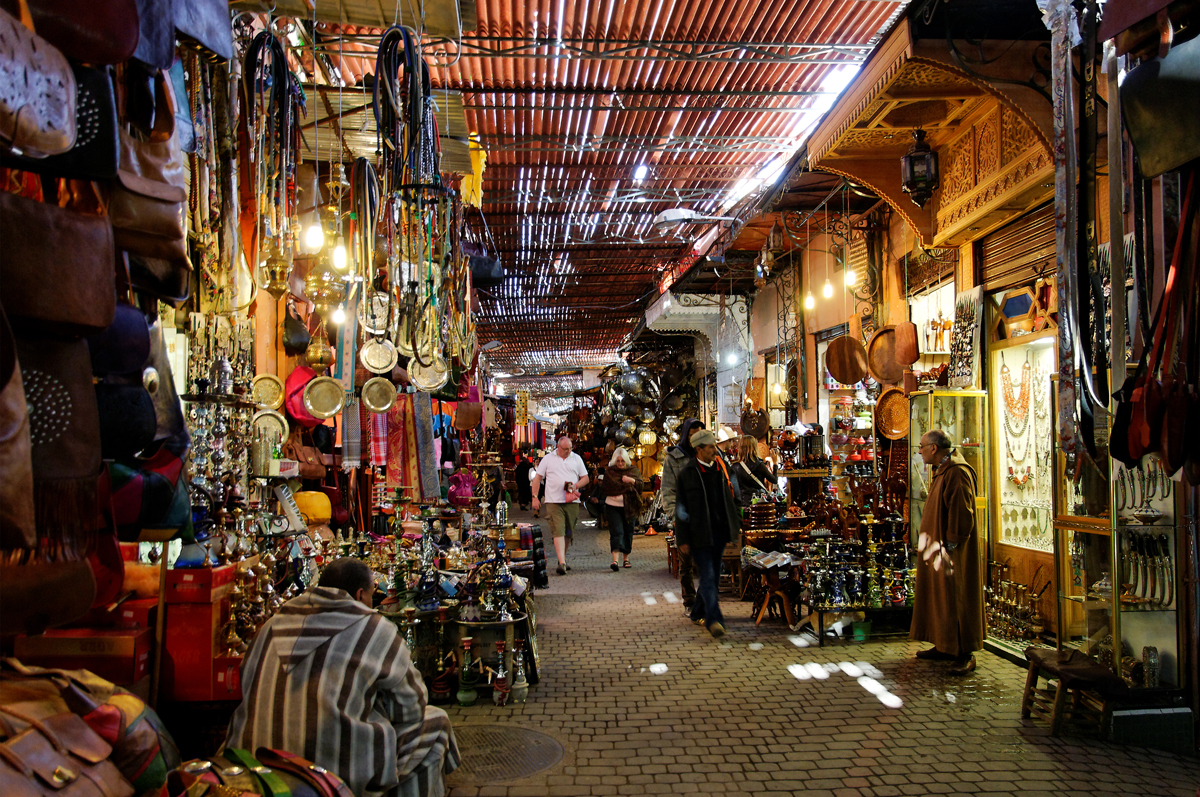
1092 689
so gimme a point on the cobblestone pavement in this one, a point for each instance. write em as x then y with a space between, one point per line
762 711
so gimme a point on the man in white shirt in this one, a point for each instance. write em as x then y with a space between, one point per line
565 475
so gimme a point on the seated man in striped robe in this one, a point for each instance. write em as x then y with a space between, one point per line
331 680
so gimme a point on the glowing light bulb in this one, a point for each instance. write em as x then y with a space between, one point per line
778 388
339 315
828 290
851 277
339 254
731 358
314 236
809 301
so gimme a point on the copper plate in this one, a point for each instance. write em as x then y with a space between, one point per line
881 357
268 422
324 397
891 414
378 356
267 391
378 394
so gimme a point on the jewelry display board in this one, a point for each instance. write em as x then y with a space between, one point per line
1020 374
962 414
965 338
1117 571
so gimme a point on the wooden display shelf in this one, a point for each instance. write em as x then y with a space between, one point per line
805 473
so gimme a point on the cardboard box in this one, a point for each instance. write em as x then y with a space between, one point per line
139 613
203 584
120 655
191 643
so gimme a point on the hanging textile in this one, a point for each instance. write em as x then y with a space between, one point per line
427 459
351 435
402 467
1064 34
379 439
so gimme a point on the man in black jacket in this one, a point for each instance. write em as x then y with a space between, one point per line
706 520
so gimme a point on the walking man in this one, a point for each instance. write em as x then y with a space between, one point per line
948 608
677 458
565 475
706 520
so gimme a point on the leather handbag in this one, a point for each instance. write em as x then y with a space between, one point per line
147 203
1161 119
293 402
37 91
298 449
141 748
271 773
468 415
56 267
150 492
58 755
295 333
17 529
206 23
156 33
93 33
65 436
94 153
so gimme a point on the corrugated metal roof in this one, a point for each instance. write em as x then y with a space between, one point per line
573 101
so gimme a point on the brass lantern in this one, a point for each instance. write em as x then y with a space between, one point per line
919 170
775 243
276 268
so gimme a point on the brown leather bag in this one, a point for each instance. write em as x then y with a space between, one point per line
17 528
468 415
148 201
57 754
56 267
308 455
92 33
37 94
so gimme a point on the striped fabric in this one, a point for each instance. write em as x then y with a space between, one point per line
351 435
427 457
379 438
332 681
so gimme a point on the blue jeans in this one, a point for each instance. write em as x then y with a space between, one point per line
707 562
620 529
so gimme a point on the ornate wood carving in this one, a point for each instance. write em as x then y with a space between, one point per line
958 173
1015 137
987 146
1030 165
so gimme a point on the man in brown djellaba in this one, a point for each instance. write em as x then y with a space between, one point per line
948 608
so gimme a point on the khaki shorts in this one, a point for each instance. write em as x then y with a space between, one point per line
562 518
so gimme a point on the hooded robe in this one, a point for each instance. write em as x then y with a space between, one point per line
331 680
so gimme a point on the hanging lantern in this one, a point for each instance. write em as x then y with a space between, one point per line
774 243
919 170
647 437
276 269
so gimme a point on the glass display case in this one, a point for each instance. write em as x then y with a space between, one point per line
962 414
1117 572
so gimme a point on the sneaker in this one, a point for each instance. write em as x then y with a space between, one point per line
717 630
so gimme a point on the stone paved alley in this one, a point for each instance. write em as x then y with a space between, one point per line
763 711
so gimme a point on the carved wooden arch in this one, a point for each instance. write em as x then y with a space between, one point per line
860 153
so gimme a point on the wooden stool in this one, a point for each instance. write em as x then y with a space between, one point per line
1091 687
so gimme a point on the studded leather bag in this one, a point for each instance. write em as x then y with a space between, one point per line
37 91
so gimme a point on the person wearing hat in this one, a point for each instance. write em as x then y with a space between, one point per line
706 520
677 458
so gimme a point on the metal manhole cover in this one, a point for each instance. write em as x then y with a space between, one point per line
503 752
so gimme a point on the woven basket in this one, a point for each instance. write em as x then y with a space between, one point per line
891 414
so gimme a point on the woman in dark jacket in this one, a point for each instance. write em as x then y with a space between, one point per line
753 474
621 487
